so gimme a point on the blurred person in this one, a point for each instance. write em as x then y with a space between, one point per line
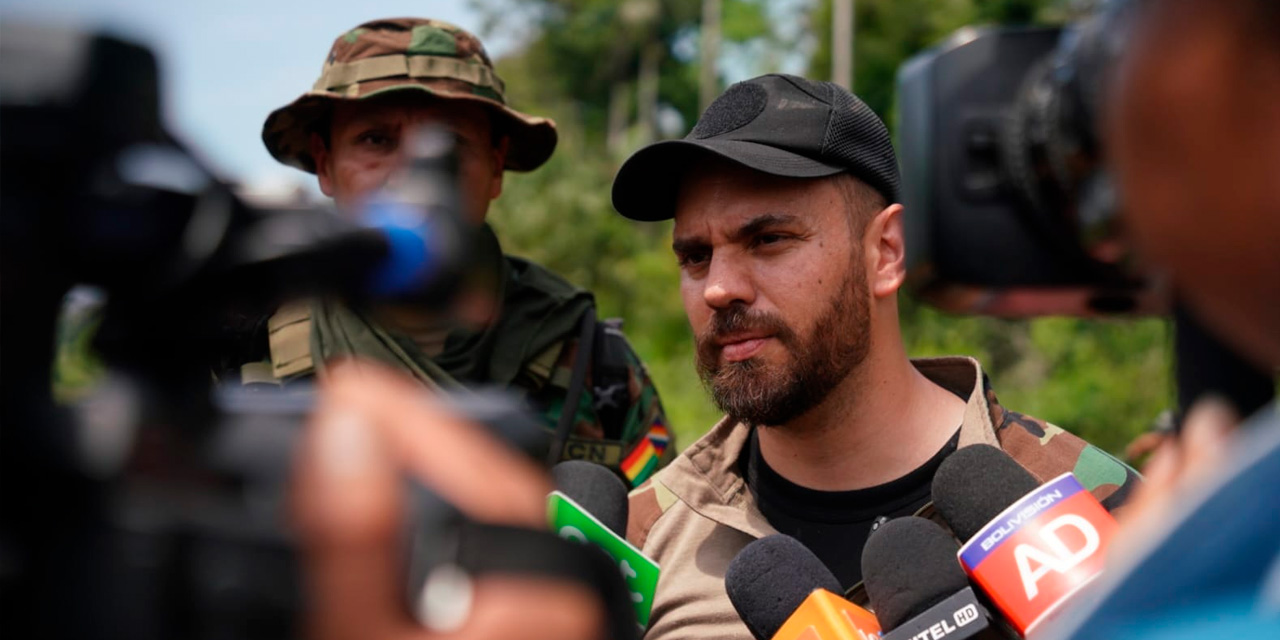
517 325
372 426
1194 136
791 252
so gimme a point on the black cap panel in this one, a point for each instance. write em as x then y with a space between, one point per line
857 133
741 104
777 124
647 185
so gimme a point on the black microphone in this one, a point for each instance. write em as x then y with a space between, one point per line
1028 546
974 484
917 587
596 489
782 591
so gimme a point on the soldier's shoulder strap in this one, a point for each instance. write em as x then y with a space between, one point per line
577 380
288 343
611 391
608 364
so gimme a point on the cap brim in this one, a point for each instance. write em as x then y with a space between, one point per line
287 130
646 186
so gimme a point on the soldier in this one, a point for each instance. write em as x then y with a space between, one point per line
517 325
791 255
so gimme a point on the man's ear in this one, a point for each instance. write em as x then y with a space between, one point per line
324 170
884 249
500 149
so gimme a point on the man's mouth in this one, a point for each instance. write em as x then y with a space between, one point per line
735 348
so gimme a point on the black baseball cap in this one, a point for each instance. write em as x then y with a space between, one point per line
778 124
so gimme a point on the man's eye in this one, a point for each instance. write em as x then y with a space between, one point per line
693 259
769 238
374 138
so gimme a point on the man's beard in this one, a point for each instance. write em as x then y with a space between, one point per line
757 393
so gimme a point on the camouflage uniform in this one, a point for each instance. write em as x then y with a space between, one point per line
532 345
694 516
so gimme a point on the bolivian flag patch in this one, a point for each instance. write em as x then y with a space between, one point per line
643 460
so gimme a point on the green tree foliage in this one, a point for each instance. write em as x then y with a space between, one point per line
886 32
1105 380
581 49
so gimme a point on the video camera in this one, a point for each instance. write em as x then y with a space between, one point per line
155 507
1011 208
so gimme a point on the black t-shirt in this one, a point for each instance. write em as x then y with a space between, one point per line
835 524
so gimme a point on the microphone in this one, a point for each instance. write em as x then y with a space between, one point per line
596 489
1028 547
590 505
917 587
783 592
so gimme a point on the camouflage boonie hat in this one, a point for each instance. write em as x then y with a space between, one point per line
402 54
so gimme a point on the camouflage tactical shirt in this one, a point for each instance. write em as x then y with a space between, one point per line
694 516
530 348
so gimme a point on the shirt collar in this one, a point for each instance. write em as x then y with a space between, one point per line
707 477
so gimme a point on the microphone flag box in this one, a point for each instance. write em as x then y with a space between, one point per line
1040 550
826 616
571 522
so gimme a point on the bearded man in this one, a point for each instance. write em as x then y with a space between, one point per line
791 256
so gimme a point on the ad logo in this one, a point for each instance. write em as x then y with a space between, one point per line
1040 550
1053 554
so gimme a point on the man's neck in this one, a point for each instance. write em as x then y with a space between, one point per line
475 308
879 424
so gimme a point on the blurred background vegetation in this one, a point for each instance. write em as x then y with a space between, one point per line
618 74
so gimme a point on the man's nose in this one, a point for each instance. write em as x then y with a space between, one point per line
395 167
728 282
415 141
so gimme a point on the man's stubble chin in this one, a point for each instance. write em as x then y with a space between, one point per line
759 393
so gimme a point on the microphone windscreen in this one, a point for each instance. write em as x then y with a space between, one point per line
908 565
769 579
974 484
595 488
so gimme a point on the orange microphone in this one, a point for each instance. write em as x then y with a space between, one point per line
783 592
